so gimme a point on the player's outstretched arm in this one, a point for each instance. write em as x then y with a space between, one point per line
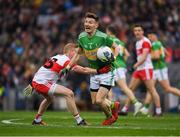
86 70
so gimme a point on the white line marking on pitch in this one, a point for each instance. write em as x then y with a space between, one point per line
12 122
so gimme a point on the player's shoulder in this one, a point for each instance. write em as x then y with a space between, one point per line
61 57
82 34
120 42
100 34
157 44
145 39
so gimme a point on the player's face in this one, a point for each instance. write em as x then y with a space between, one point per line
72 52
138 32
90 25
152 37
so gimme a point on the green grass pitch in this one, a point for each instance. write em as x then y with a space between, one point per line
62 124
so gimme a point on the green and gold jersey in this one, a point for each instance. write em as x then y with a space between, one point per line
119 62
160 63
90 45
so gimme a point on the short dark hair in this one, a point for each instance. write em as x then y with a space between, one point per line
138 25
112 29
151 32
92 15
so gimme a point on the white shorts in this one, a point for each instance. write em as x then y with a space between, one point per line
120 73
161 74
101 79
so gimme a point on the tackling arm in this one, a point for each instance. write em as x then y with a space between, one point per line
84 70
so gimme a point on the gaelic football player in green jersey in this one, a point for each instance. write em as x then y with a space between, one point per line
88 43
158 55
120 68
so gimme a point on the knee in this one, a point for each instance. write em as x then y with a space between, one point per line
70 94
167 89
93 102
125 88
98 101
131 87
49 99
151 89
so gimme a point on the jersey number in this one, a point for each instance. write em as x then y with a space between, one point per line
49 64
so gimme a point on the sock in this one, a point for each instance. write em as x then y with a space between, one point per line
146 106
125 109
158 111
38 118
134 101
112 105
78 118
144 109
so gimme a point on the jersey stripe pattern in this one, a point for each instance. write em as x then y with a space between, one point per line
49 72
141 45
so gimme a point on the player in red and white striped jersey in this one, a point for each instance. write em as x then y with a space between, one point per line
143 68
44 82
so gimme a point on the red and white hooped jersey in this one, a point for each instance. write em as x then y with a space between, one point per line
49 72
142 44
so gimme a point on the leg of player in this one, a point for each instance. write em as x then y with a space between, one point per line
100 100
122 84
168 88
134 83
114 105
110 95
42 108
69 96
93 95
147 102
151 89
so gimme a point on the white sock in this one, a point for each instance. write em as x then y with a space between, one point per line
38 118
125 109
78 118
137 103
158 111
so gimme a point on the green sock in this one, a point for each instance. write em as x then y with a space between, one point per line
112 105
146 105
109 116
134 101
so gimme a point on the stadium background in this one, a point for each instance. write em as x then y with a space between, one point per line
31 31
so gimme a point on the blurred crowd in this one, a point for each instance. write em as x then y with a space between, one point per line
33 30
